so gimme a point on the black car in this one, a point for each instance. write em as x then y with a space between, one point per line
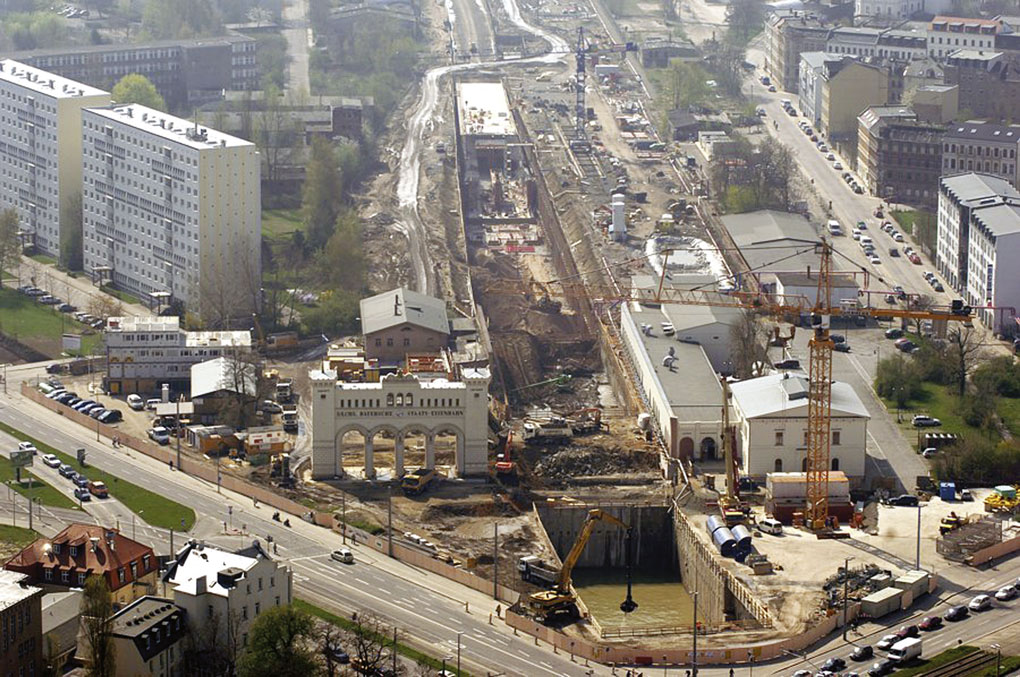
97 412
904 501
931 623
111 416
882 668
957 613
862 653
837 338
908 631
73 401
906 346
834 664
893 333
841 347
788 364
82 481
66 308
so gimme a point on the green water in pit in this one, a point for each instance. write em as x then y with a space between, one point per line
661 597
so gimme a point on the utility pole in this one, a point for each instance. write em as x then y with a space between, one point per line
389 518
394 649
495 561
178 433
343 516
846 583
458 653
917 562
171 542
694 653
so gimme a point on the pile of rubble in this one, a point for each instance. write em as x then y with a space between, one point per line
595 461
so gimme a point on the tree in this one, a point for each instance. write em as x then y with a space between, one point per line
135 88
367 641
330 646
277 133
743 19
243 379
963 349
336 314
342 262
750 346
181 19
898 379
763 175
71 232
322 193
97 628
280 645
1000 374
104 305
10 243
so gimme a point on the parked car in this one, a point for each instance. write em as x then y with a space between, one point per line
841 347
914 258
924 421
957 613
862 653
98 489
788 364
1006 593
150 404
980 603
886 642
27 446
907 346
343 555
894 252
81 481
66 308
95 412
111 416
770 526
82 494
893 333
930 452
270 407
84 403
930 623
837 165
73 401
135 402
160 435
834 664
89 408
904 501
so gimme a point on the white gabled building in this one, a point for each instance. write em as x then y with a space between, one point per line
172 208
40 149
771 416
224 592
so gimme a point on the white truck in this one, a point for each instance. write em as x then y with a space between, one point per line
905 650
553 430
834 228
534 570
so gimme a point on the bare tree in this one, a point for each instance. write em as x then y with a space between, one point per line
750 342
10 243
213 649
246 385
330 646
964 349
920 302
103 305
277 132
368 642
97 628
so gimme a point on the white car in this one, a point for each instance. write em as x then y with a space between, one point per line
270 407
135 402
886 642
837 165
898 237
980 603
1006 593
929 452
27 446
875 260
160 435
343 555
51 460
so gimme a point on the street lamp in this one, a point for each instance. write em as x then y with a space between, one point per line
846 583
917 562
998 657
446 658
133 524
458 653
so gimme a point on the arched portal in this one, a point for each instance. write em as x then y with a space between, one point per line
686 448
411 445
707 449
350 445
447 446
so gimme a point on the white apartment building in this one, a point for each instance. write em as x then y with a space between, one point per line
978 244
224 592
145 352
810 79
172 208
40 149
946 34
887 9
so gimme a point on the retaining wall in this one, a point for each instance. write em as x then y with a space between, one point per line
652 534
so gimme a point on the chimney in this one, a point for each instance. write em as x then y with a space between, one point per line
396 305
809 272
200 586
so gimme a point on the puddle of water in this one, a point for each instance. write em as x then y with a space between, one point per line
662 599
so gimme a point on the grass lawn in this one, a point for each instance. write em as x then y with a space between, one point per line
947 656
942 402
37 325
155 509
43 258
278 223
121 295
920 224
17 536
402 649
41 491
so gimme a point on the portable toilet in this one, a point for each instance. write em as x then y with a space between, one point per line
947 491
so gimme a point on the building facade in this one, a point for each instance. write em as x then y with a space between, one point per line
172 208
787 35
222 593
771 415
899 158
183 71
887 9
83 550
848 87
947 34
148 637
402 321
988 148
40 153
142 353
21 642
978 244
988 81
809 87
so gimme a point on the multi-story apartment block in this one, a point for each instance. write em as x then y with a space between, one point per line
145 352
40 152
173 209
888 9
148 638
988 81
184 71
787 35
978 244
986 147
886 43
809 87
946 34
21 644
898 157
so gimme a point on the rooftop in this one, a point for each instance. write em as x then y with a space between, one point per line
976 130
972 187
151 323
14 588
769 240
688 317
198 564
169 127
152 623
222 373
1000 219
134 46
874 115
484 109
787 394
806 279
44 82
974 55
401 305
816 60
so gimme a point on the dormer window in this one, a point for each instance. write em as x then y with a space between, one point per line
74 551
56 548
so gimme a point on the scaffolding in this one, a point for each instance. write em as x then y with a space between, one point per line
958 545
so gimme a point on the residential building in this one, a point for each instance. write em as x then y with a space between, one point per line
83 550
184 72
143 353
937 104
848 87
657 53
809 88
898 157
885 43
148 638
61 613
988 148
40 154
902 45
771 417
222 382
947 34
402 321
680 389
189 227
989 83
887 9
21 645
222 592
922 72
979 244
788 34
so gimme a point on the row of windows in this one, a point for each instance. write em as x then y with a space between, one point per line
970 149
780 437
990 167
399 400
778 464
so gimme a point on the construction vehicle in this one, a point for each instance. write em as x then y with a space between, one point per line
418 480
586 421
289 418
534 570
504 464
553 430
560 599
729 502
279 465
284 391
818 315
560 381
952 522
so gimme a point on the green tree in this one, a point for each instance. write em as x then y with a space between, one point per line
342 261
899 380
10 243
97 628
164 20
744 19
1001 374
321 194
280 645
136 88
71 233
335 315
35 30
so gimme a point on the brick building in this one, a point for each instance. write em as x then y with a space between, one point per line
989 83
899 157
21 640
986 147
402 321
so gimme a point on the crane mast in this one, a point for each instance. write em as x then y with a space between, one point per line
580 115
820 400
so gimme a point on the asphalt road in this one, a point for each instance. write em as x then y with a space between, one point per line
299 37
77 291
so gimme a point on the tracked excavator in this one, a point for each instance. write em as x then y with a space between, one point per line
560 600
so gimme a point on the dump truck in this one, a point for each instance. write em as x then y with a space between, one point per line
290 420
418 480
284 391
534 570
555 430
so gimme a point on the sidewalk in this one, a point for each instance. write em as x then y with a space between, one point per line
75 290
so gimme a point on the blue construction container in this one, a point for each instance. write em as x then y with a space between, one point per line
743 536
724 540
947 491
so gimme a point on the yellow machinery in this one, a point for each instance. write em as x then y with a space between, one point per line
560 599
729 502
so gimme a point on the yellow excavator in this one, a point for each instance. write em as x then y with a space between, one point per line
560 599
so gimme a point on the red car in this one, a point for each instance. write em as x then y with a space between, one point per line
931 623
915 259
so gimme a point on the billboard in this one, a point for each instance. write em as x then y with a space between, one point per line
21 459
70 342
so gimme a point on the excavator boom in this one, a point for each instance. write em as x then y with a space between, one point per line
594 516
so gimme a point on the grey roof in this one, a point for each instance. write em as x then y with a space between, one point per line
60 611
873 115
222 374
972 187
692 388
975 130
805 279
152 624
975 55
401 305
786 394
764 237
689 317
1000 219
14 588
816 60
129 47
